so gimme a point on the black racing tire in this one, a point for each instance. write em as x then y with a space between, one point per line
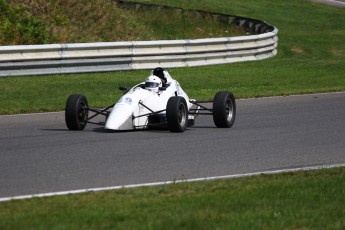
224 109
76 112
177 114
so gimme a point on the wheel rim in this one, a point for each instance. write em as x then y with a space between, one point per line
82 113
182 114
229 109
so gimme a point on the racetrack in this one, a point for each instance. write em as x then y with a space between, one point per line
39 155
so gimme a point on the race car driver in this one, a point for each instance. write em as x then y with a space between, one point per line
153 83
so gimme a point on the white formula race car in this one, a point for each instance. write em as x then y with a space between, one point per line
159 102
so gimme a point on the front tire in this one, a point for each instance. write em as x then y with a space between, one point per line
76 112
177 114
224 109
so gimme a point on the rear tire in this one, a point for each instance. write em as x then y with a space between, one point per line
76 112
224 109
177 114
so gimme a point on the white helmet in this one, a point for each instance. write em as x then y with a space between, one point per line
153 83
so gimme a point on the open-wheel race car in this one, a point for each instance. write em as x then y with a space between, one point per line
159 102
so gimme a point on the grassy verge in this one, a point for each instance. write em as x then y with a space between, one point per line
251 79
300 200
172 25
311 59
24 22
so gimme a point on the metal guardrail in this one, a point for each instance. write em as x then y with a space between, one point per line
113 56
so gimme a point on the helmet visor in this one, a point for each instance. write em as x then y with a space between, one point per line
151 84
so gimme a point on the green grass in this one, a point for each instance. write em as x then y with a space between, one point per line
250 79
299 200
24 22
173 25
311 59
17 26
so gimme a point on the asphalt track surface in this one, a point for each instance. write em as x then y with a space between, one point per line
39 155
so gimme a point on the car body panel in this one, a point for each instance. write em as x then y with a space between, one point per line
133 108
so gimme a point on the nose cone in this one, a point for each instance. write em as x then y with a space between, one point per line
120 118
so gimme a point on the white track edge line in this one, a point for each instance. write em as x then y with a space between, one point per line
40 195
